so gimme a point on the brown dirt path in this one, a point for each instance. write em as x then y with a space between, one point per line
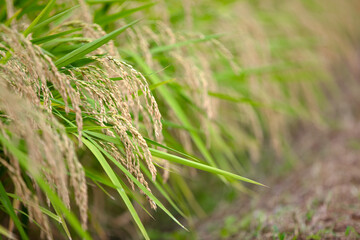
319 200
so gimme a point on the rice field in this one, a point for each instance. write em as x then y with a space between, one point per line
139 119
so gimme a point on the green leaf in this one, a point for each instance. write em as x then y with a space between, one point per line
8 22
44 210
43 14
5 201
74 129
234 99
62 221
156 85
53 36
54 18
103 1
6 233
117 78
102 189
89 47
66 40
170 149
116 182
161 189
113 17
97 179
186 162
117 141
160 49
174 125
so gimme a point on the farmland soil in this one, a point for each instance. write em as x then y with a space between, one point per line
319 199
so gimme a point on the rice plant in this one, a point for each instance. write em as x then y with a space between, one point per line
116 103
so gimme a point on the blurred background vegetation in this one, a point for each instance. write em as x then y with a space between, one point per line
110 109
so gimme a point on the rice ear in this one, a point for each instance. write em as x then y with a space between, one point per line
115 103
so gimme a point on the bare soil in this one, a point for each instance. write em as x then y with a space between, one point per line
319 199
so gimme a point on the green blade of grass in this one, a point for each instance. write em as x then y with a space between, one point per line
97 179
189 196
116 78
54 18
44 210
113 17
111 174
51 44
186 162
102 189
6 233
74 129
27 215
152 87
91 46
161 189
156 85
160 49
62 221
9 21
53 36
117 141
174 125
227 97
10 210
103 1
170 149
42 14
